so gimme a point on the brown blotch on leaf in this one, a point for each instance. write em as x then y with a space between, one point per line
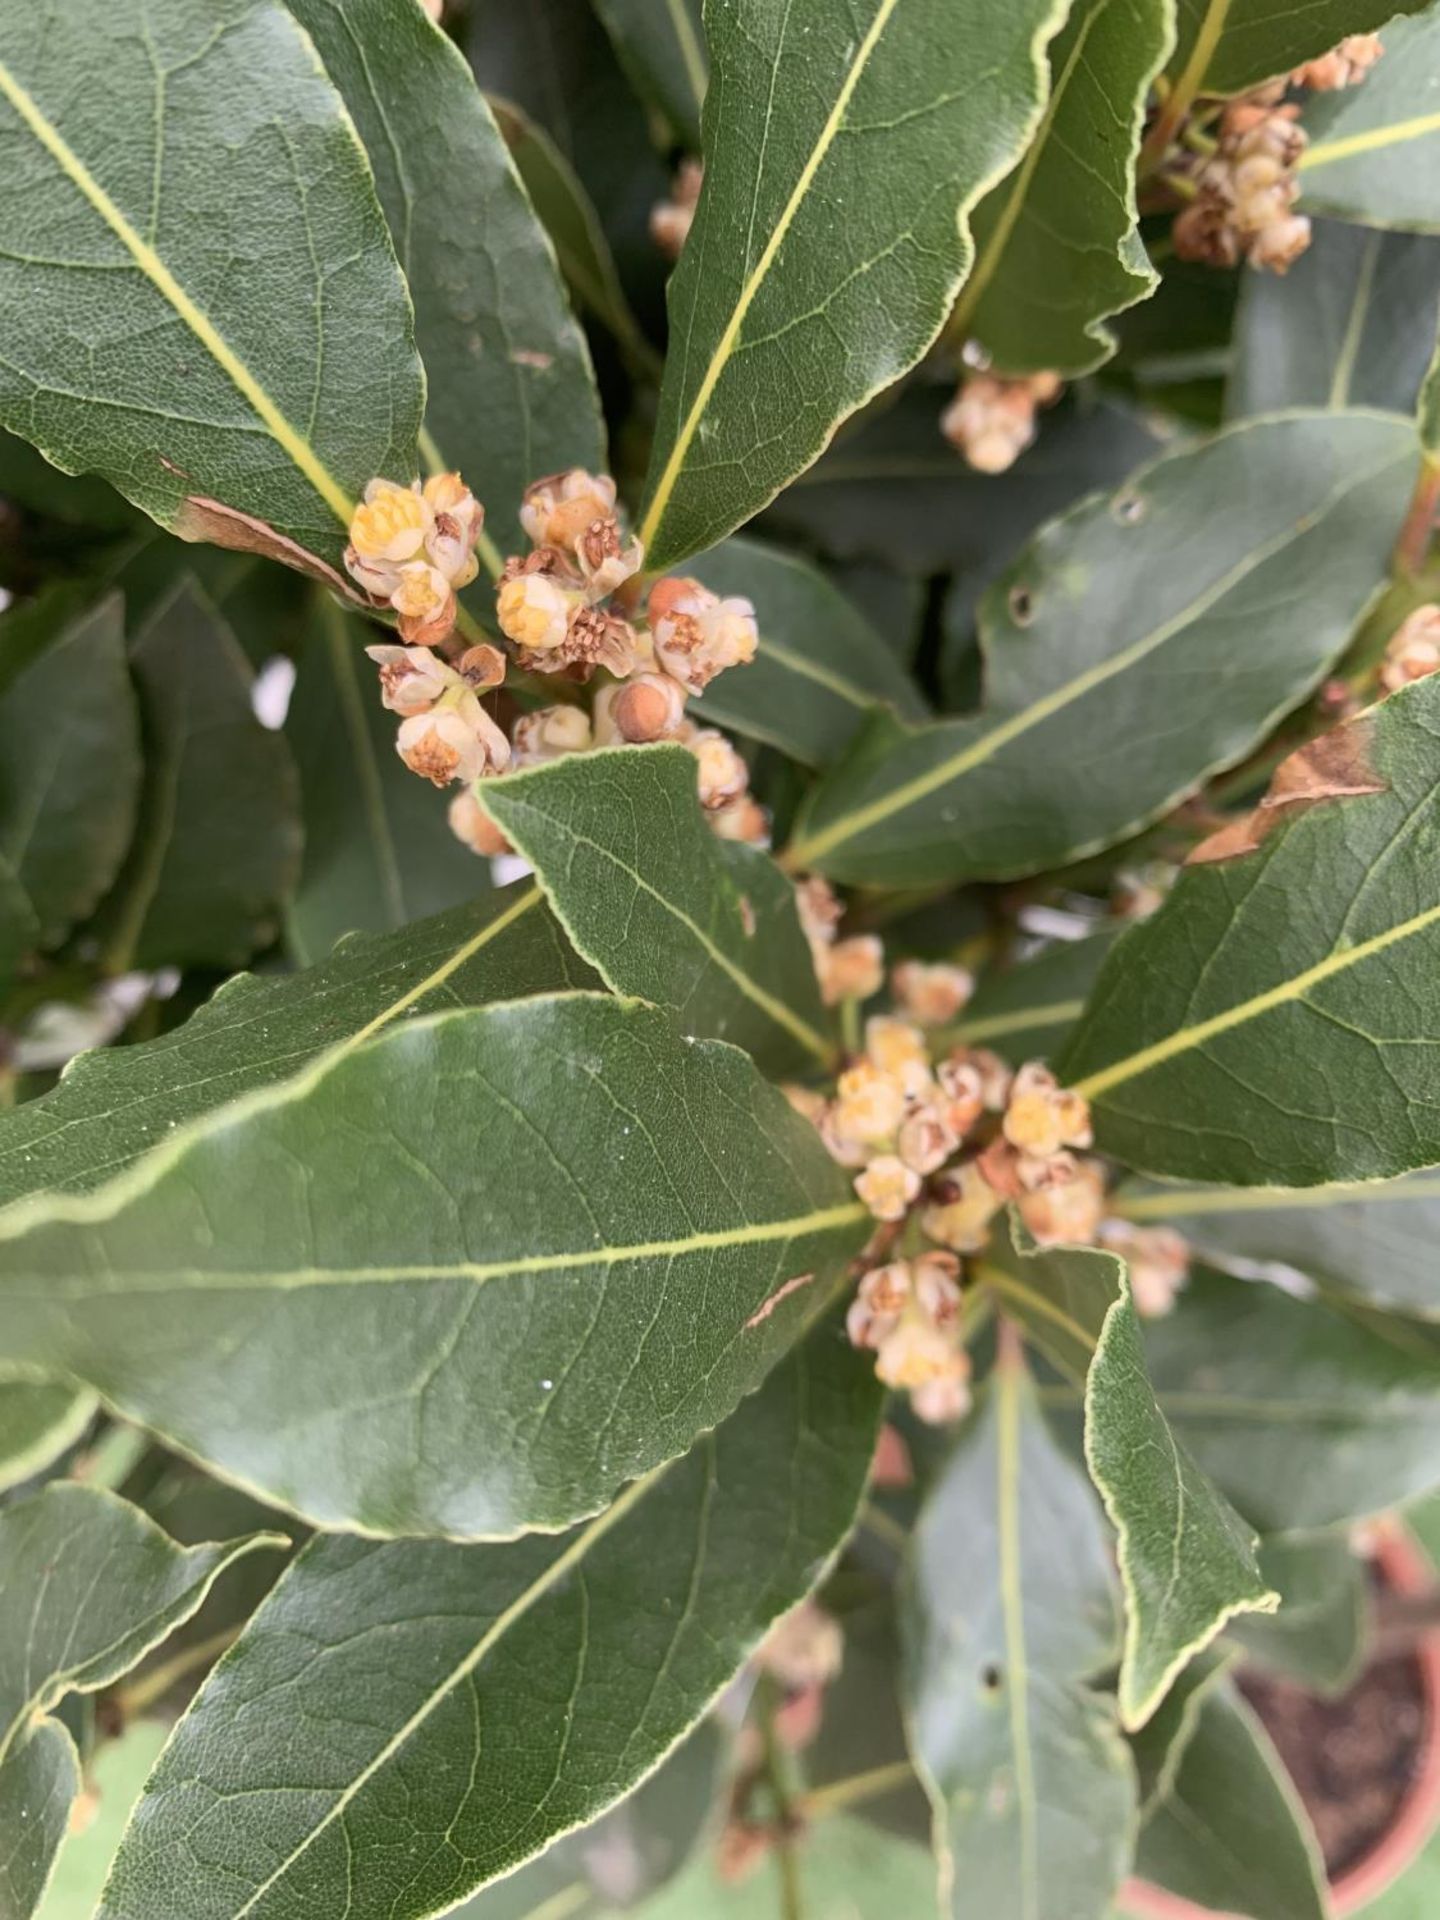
202 520
1336 766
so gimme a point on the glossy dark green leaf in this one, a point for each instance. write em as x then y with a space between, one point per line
663 908
379 852
1271 1024
661 45
510 392
1025 1012
844 1870
893 490
112 1106
1374 153
1159 1746
1374 1240
1225 46
38 1421
1122 639
90 1585
883 117
1230 1833
69 766
203 301
568 215
524 1687
1057 243
1187 1559
1352 323
1011 1609
1302 1416
485 1237
820 668
1317 1634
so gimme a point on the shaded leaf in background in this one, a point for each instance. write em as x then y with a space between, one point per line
1225 46
28 480
895 491
1121 667
69 763
663 908
882 113
115 1775
181 186
845 1871
1025 1011
113 1105
662 49
510 395
1230 1832
507 1259
1352 323
1374 1240
90 1585
1010 1610
217 841
379 852
525 1686
1302 1416
39 1420
1269 1024
19 929
1187 1559
820 667
1057 243
1317 1635
1374 153
1159 1746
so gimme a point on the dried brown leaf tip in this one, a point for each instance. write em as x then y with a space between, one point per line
204 521
1336 766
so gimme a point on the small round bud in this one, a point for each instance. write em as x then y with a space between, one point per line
852 969
918 1353
474 828
1279 245
671 220
933 996
887 1187
721 774
649 707
549 733
897 1048
534 611
743 819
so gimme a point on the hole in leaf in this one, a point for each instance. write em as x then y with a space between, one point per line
1022 606
1129 508
991 1679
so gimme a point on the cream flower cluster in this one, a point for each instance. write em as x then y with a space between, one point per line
1245 193
411 547
672 219
992 421
445 734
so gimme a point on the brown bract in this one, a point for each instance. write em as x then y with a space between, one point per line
1337 766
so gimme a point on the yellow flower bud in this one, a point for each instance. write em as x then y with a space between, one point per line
390 524
887 1187
534 611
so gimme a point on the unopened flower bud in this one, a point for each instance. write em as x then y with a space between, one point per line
549 733
935 1278
425 602
1043 1117
887 1187
471 825
1413 650
742 819
671 220
898 1048
803 1649
996 1077
926 1140
819 910
962 1090
852 969
961 1208
556 511
808 1102
917 1353
1279 245
390 524
992 421
1343 66
451 743
869 1104
881 1298
534 611
941 1402
412 679
1158 1260
721 774
931 995
649 707
1068 1214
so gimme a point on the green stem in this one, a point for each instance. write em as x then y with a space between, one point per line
1413 547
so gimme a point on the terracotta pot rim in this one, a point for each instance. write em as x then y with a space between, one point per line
1409 1570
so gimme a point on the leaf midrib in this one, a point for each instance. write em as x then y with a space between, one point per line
288 437
1008 1378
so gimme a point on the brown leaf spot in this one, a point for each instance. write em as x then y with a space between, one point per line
200 519
525 357
1336 766
767 1307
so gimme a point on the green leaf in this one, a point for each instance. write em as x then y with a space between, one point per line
1374 153
1099 642
844 1870
893 490
90 1585
1372 1240
1302 1416
217 842
524 1687
1159 1746
1230 1832
115 1776
28 480
1352 323
379 852
883 117
1187 1559
484 1238
203 301
1026 1011
1225 46
1010 1610
39 1420
1266 1027
511 394
568 214
820 668
112 1106
662 49
1318 1635
1057 244
19 928
69 764
660 907
1428 411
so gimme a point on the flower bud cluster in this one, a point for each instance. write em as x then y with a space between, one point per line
852 969
445 734
1245 193
908 1314
412 547
992 421
1344 66
672 219
1413 650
